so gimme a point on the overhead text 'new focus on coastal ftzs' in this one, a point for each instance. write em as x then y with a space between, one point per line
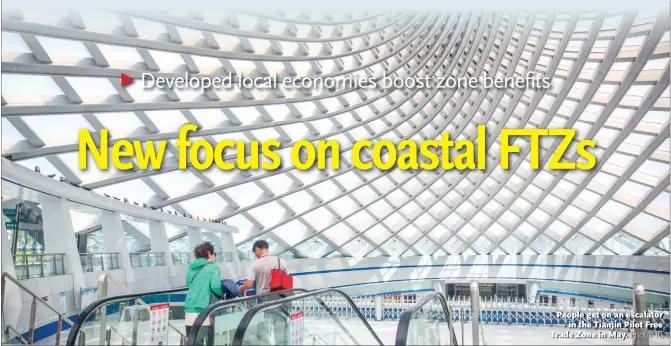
556 149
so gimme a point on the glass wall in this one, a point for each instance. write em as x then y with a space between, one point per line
94 262
38 265
182 258
146 259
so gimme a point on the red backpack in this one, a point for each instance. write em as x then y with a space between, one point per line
279 279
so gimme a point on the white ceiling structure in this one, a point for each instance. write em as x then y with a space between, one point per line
610 81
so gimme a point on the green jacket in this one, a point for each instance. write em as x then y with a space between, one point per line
206 283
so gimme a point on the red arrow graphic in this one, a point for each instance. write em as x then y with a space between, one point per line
125 80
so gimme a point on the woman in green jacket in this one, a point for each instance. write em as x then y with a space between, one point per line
202 279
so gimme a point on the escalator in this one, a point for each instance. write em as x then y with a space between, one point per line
312 318
131 319
294 320
296 317
124 319
217 323
429 322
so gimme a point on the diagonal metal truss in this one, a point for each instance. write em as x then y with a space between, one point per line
610 81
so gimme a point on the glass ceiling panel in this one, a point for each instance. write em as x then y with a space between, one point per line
393 247
472 211
358 247
578 244
208 206
339 233
315 247
319 218
291 232
94 242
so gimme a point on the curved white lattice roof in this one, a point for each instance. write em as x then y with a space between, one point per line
610 81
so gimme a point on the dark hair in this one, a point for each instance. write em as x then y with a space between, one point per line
204 250
260 244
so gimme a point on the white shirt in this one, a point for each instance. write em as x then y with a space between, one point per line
260 269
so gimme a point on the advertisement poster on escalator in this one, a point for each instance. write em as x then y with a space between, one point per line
159 324
296 325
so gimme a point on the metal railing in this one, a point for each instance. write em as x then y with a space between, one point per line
222 257
108 336
147 259
246 255
250 256
96 262
106 331
18 335
187 257
182 258
33 315
39 265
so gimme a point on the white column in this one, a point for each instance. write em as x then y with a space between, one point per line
12 308
379 310
194 236
115 241
159 243
59 237
229 246
532 289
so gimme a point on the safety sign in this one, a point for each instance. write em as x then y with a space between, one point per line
296 325
159 324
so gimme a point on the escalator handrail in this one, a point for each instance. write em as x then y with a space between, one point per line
406 317
74 331
203 315
249 316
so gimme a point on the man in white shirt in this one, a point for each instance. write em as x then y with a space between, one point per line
259 273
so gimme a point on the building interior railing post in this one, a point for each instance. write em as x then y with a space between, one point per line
82 338
475 311
25 265
2 291
135 318
59 328
108 335
640 308
462 317
31 325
